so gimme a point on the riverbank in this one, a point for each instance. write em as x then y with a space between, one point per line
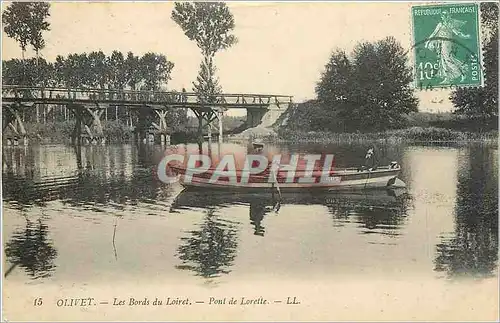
117 132
409 135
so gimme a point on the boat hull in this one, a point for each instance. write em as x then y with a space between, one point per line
349 179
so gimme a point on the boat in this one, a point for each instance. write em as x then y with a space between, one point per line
339 179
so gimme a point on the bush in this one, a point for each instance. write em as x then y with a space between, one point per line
116 131
413 134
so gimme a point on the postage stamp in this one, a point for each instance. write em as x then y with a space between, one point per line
447 45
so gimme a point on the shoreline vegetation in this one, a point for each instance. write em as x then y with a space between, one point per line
299 124
414 135
416 132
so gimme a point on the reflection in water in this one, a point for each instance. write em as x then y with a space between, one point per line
210 250
107 178
382 212
259 204
473 248
121 178
32 250
257 211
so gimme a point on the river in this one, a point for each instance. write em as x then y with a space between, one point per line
101 218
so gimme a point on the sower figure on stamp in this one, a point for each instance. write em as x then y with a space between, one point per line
441 42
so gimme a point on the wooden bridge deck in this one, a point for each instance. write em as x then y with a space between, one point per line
37 95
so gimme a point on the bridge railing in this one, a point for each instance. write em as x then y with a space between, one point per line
20 93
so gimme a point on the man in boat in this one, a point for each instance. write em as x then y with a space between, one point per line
370 160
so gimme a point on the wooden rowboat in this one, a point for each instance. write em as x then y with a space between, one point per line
349 178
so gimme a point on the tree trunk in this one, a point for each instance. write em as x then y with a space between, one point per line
38 106
200 129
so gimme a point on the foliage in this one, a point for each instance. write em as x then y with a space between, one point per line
51 132
94 70
177 119
426 119
209 24
370 91
410 135
155 70
489 19
117 70
482 102
61 131
309 116
38 24
207 84
25 22
116 131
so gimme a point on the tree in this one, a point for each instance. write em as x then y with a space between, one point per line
209 24
155 70
25 22
206 85
59 71
369 91
118 76
15 19
28 72
132 70
382 88
12 72
482 102
334 90
99 69
38 24
489 19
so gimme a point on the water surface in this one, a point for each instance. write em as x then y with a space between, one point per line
101 215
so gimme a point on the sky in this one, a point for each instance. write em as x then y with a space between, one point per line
282 47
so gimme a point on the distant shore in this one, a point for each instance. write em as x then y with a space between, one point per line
115 133
406 135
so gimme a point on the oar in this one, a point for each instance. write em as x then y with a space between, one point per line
278 204
276 179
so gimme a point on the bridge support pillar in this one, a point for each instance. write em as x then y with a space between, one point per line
208 115
88 127
12 120
161 126
254 116
152 126
142 127
220 115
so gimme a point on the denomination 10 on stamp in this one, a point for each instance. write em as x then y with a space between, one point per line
447 45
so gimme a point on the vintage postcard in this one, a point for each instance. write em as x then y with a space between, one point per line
249 161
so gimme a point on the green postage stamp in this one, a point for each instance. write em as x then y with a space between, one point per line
446 44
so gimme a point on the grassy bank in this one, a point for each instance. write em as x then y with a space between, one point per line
60 132
117 132
114 131
410 135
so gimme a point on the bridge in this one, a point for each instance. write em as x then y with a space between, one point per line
150 107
